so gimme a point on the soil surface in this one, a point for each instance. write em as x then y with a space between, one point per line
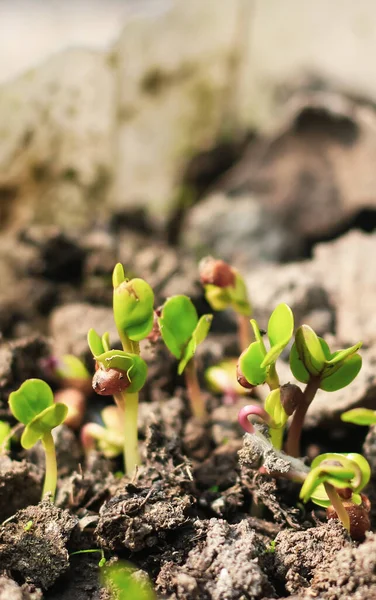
197 517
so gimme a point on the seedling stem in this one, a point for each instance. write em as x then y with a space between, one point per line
244 331
194 391
295 430
51 466
130 407
337 505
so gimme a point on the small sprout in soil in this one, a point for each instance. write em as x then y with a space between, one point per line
72 371
109 437
312 363
271 548
182 331
225 288
336 477
360 416
102 561
28 526
122 581
122 373
33 405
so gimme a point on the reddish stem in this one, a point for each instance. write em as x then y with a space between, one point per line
295 430
249 410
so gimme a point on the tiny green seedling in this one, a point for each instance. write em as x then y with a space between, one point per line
28 526
221 379
257 365
312 363
5 435
33 405
333 473
71 368
122 373
102 560
120 580
360 416
182 331
225 288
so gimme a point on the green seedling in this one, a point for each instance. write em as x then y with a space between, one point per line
70 368
333 475
122 373
102 561
121 581
33 405
360 416
28 526
257 365
312 363
182 331
109 437
225 288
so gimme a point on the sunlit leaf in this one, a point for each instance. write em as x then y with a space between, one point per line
359 416
32 397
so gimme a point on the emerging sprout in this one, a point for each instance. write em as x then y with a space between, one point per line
33 405
221 378
5 435
122 373
360 416
225 288
312 363
72 371
182 331
334 475
122 581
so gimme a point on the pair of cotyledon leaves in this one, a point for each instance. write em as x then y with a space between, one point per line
310 355
132 364
33 405
339 470
181 329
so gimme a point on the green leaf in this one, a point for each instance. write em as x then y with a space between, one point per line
31 398
239 297
257 334
341 355
218 298
310 350
128 587
72 367
177 323
345 374
118 276
250 364
43 423
297 367
280 325
133 302
5 431
95 343
359 416
274 408
198 336
106 342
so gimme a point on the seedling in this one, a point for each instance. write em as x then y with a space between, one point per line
102 561
257 365
360 416
72 370
33 405
120 580
122 373
109 436
225 288
221 378
28 526
182 331
312 363
5 435
334 477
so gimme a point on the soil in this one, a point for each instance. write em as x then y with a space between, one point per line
197 517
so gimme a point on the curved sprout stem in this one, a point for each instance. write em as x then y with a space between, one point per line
249 410
295 430
194 391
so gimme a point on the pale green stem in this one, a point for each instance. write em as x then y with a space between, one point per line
50 478
194 391
131 453
336 502
273 379
276 436
130 403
